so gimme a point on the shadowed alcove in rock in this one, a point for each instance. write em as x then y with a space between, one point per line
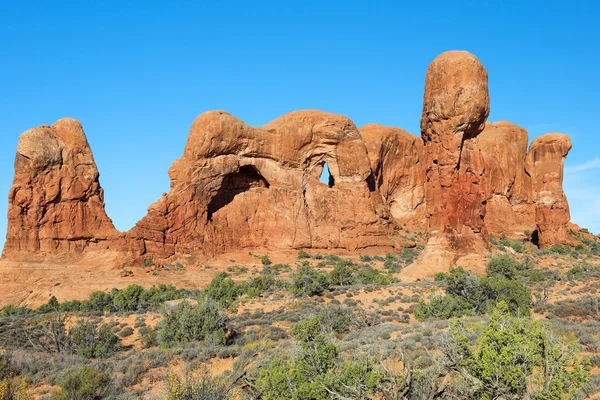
245 179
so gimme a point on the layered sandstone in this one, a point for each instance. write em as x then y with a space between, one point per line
56 202
545 164
509 207
398 172
455 107
238 186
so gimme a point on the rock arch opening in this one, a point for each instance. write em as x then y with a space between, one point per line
245 179
326 176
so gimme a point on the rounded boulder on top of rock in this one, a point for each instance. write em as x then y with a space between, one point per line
455 108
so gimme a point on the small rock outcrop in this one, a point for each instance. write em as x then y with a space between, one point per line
238 186
56 202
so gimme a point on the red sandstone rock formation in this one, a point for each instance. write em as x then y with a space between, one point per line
56 202
545 162
237 186
455 107
398 174
509 207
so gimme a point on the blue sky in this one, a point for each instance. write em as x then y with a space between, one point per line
136 74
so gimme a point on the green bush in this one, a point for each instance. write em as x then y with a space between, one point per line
516 358
90 341
442 307
317 371
265 260
189 323
468 294
83 383
343 274
440 277
52 306
368 275
197 387
223 290
99 302
13 311
502 266
307 281
560 248
302 254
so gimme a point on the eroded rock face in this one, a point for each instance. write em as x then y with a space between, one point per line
56 202
509 208
237 186
545 163
398 172
455 107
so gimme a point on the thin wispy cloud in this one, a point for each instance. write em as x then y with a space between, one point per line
592 164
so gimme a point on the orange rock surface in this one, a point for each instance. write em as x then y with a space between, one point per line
238 186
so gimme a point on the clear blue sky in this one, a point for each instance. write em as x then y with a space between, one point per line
136 74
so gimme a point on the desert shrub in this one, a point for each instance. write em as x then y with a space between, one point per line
307 281
516 245
90 341
128 299
149 336
442 307
14 387
343 274
336 319
392 263
468 294
83 383
440 277
346 273
365 258
368 275
197 387
99 302
132 299
265 260
71 306
126 332
580 270
560 248
317 371
516 358
303 254
52 306
223 290
502 266
188 323
409 255
13 311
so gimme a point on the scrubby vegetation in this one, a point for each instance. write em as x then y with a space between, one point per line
326 328
468 294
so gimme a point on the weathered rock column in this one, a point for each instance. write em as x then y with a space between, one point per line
545 163
456 105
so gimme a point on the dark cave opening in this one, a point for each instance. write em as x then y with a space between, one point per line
246 178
